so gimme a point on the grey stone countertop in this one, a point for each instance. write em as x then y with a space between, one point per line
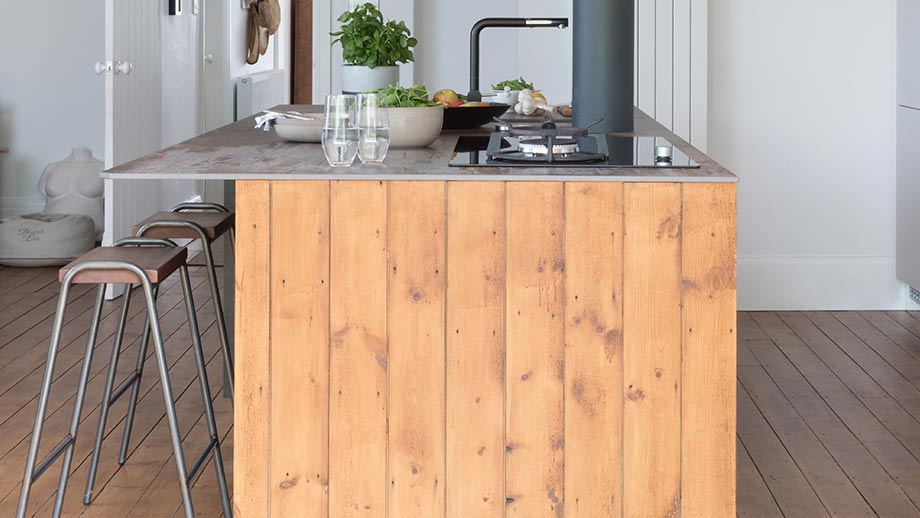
237 151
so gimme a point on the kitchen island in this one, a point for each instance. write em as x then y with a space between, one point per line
417 341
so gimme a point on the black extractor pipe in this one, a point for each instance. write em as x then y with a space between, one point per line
602 71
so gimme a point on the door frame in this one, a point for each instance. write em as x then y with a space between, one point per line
302 51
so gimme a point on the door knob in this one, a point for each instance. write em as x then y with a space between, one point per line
103 67
123 67
209 58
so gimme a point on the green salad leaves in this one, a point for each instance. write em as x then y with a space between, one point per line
413 97
515 85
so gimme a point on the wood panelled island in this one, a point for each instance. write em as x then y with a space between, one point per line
419 342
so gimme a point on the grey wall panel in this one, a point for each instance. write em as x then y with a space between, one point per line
909 53
908 255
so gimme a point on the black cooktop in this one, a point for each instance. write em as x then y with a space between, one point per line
594 150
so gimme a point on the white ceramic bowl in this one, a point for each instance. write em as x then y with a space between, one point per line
296 130
510 97
415 127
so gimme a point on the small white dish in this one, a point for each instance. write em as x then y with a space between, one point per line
299 130
510 97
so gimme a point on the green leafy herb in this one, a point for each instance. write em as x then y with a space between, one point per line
412 97
515 85
369 41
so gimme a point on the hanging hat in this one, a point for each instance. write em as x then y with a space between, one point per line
252 36
263 41
271 15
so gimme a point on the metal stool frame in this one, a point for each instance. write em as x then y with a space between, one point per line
211 269
66 446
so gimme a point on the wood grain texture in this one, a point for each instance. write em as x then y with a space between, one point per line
300 349
475 349
302 51
651 350
490 349
709 351
415 361
594 349
252 408
358 349
534 350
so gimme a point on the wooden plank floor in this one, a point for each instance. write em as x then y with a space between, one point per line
829 408
146 486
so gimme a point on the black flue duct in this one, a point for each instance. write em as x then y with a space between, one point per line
602 79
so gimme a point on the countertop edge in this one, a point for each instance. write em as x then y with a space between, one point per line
607 177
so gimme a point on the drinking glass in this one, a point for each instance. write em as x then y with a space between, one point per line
340 130
373 128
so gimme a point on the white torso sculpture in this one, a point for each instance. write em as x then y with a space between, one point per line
73 186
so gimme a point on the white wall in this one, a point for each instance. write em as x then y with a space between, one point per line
802 109
672 66
50 98
442 58
671 72
279 49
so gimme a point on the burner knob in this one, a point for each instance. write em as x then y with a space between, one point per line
663 153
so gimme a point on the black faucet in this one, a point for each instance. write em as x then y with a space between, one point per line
475 95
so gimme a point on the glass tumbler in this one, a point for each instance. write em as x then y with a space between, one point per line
340 130
373 128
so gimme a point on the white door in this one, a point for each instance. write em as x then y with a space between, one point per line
152 99
132 108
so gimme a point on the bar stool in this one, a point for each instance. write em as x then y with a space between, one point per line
207 222
131 261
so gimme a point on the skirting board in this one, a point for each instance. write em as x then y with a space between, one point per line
820 283
16 205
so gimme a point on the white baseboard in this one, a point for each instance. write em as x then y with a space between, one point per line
820 283
16 205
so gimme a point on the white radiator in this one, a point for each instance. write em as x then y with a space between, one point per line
259 91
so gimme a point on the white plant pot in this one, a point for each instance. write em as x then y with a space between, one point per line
357 79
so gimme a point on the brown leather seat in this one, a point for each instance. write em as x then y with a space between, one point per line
214 224
157 262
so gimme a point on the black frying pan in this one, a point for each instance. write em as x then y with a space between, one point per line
469 117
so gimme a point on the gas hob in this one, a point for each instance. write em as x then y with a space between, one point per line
551 146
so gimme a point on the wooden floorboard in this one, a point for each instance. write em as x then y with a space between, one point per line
828 408
118 491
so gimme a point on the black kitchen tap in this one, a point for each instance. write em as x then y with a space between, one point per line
475 95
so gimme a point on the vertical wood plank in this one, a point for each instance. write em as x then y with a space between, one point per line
651 350
415 362
594 349
709 351
534 350
252 408
358 351
300 348
475 349
664 62
681 59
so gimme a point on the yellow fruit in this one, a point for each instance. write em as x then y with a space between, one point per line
446 97
538 95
